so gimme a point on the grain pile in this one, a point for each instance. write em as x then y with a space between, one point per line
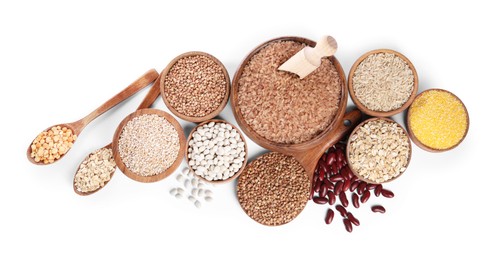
148 144
278 105
95 171
195 86
273 189
379 150
383 82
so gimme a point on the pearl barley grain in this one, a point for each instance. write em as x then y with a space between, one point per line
95 170
216 151
148 144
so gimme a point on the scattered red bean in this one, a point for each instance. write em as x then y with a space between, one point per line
352 219
320 200
341 210
332 197
343 199
371 186
346 185
337 177
365 196
354 199
387 193
323 190
361 187
321 172
329 216
338 187
378 208
330 158
328 183
354 185
378 190
347 225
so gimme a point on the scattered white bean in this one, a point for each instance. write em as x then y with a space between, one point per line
186 183
191 198
185 170
198 204
179 177
208 198
173 191
208 193
194 192
179 195
201 192
194 183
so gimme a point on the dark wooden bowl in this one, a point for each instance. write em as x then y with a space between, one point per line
424 146
349 142
236 175
368 111
165 173
190 118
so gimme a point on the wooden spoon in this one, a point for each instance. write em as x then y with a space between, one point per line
78 126
147 102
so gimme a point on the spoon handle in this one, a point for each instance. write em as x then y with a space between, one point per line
151 96
136 86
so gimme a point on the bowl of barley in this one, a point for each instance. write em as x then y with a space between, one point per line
195 86
382 83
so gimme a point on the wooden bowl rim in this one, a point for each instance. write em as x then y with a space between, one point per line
374 113
349 142
157 177
424 146
214 113
75 131
238 173
282 147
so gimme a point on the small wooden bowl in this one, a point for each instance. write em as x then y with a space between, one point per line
168 171
426 147
348 149
368 111
236 175
190 118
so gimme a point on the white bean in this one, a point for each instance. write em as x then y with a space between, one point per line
173 191
198 204
208 198
191 198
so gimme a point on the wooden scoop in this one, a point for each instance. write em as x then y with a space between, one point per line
78 126
308 59
146 103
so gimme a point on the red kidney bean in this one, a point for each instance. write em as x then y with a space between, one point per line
354 185
361 187
379 209
347 225
316 188
378 190
322 164
320 200
332 197
334 169
323 190
330 158
346 185
354 199
328 183
387 193
336 178
371 186
329 216
365 196
338 187
321 174
345 174
352 219
341 210
340 155
343 199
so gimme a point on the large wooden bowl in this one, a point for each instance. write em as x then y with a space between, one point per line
133 175
190 118
309 152
368 111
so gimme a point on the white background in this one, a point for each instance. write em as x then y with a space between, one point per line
60 60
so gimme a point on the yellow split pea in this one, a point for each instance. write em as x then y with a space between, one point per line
438 119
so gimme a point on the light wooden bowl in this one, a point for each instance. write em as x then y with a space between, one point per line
424 146
168 171
349 142
307 153
368 111
242 138
190 118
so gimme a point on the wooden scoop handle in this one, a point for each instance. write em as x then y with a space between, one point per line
310 157
136 86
